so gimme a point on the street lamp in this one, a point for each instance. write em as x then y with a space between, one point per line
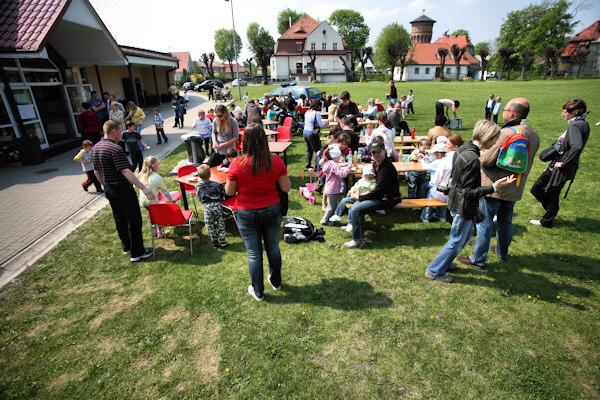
237 67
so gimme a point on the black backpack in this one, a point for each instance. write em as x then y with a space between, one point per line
298 230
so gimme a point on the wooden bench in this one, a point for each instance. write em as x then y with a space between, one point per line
416 203
404 147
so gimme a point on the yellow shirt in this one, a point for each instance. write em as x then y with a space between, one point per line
138 115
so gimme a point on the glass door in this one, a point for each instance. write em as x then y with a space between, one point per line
30 116
77 95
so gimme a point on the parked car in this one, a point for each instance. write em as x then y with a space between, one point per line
242 82
189 85
310 92
204 85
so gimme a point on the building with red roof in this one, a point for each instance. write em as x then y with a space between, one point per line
291 60
589 38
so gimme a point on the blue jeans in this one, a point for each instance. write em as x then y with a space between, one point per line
460 233
341 208
491 207
255 227
356 217
440 212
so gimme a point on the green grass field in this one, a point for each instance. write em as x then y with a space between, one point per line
86 323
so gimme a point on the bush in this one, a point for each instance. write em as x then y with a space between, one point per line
316 81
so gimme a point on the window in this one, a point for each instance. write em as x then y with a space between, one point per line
594 64
335 46
451 57
323 46
426 71
313 46
437 56
298 47
416 71
448 70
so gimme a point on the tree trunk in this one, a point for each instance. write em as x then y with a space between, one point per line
264 74
457 71
231 69
578 69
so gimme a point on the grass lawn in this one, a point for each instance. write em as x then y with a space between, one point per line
84 322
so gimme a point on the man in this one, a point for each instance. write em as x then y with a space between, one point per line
385 195
501 203
348 109
396 119
253 114
447 103
348 128
98 106
173 89
290 102
113 170
439 130
211 91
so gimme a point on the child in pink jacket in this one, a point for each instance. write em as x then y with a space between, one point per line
333 181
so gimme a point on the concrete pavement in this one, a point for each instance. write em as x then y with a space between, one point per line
42 204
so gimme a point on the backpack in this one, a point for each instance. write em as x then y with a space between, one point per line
514 153
298 230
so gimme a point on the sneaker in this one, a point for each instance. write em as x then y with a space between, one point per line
224 243
442 220
535 222
380 211
495 218
443 278
354 243
335 218
274 287
147 253
346 228
251 291
125 252
425 221
85 188
215 245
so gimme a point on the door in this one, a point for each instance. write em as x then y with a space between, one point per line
30 115
54 113
77 95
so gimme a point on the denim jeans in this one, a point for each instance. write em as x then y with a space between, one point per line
440 212
255 227
414 180
128 218
356 217
460 233
504 229
341 208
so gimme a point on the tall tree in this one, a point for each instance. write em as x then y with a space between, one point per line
262 45
461 32
351 26
393 45
263 58
311 65
248 65
458 53
208 62
550 54
580 56
526 61
224 46
483 51
443 53
366 54
505 53
284 16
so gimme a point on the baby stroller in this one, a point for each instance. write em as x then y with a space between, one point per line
218 96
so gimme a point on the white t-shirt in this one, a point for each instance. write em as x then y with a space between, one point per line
202 126
443 173
446 102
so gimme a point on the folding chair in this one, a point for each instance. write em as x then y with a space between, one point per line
169 214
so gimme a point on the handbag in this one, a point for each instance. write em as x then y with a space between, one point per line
316 128
549 153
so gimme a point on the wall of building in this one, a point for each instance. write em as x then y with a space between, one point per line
112 79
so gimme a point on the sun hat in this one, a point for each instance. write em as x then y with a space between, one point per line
334 150
367 170
439 148
441 139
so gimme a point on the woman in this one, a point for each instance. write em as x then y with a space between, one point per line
254 177
464 196
549 185
136 115
177 103
312 120
225 134
116 114
371 112
385 129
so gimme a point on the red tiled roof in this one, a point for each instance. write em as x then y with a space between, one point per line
584 37
459 40
301 29
26 24
424 53
184 59
226 66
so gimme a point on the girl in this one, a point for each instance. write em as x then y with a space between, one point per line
333 181
246 99
403 105
203 127
150 177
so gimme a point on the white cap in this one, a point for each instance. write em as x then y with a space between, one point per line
441 139
367 170
334 150
438 148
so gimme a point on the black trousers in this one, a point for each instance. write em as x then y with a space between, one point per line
313 145
128 218
548 198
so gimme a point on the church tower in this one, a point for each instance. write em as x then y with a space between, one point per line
422 29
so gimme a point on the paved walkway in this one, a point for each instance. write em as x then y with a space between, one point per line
42 204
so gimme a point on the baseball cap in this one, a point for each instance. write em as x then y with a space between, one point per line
377 146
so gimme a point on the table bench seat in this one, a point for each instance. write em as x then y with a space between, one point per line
416 203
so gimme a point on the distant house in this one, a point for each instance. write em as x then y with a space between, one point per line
185 62
221 69
291 61
588 38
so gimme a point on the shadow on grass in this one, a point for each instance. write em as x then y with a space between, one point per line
337 293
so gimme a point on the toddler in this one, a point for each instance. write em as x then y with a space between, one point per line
334 177
365 184
402 105
149 176
390 108
231 155
370 128
203 127
85 158
497 108
210 194
416 179
133 145
158 124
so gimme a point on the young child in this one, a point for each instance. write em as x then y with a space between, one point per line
239 117
186 98
133 141
403 105
370 128
231 155
333 181
246 99
415 179
364 185
390 108
210 194
85 158
158 124
272 115
149 176
497 108
489 106
203 127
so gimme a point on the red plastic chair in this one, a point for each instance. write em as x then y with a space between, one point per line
301 109
230 205
174 195
239 145
288 122
187 170
170 214
284 134
379 107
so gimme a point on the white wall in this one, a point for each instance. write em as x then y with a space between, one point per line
329 38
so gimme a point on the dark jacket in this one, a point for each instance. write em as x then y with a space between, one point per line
466 186
290 103
210 191
387 186
351 109
253 114
569 152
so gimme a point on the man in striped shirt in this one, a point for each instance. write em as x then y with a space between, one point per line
114 171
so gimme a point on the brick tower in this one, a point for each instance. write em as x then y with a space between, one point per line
422 29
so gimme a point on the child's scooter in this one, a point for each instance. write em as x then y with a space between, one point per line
307 190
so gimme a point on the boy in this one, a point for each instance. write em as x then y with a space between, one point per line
133 141
231 155
210 194
158 123
416 179
489 107
497 108
85 158
203 127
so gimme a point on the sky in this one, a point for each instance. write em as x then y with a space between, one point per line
189 25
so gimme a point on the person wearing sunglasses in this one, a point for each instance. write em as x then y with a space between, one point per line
225 134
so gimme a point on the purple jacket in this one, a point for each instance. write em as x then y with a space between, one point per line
334 175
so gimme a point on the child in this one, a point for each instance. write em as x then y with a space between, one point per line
333 181
402 105
85 158
246 99
489 106
231 155
409 102
239 117
272 115
497 108
370 128
133 141
158 124
390 108
365 184
186 98
149 176
203 128
415 179
210 194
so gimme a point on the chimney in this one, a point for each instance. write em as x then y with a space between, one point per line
288 24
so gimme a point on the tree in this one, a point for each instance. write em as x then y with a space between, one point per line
526 60
263 58
443 53
366 54
505 53
580 56
284 16
550 54
461 32
483 52
458 53
351 26
392 45
261 44
248 65
224 46
311 65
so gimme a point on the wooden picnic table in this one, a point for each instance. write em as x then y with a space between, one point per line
401 167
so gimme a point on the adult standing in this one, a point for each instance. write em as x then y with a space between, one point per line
501 203
173 89
290 102
116 114
393 94
211 91
136 115
446 104
112 99
89 122
348 109
312 121
254 177
225 134
464 195
113 170
549 185
98 106
177 104
385 195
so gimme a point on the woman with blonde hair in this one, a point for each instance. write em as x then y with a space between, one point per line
115 114
371 112
149 176
136 115
254 177
463 199
225 134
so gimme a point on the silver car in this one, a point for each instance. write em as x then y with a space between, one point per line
241 81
